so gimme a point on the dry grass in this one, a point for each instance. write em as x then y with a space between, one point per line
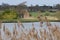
53 33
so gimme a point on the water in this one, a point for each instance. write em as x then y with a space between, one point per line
28 26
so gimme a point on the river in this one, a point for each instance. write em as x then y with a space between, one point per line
28 26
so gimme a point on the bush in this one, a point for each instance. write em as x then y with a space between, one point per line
9 14
47 14
57 14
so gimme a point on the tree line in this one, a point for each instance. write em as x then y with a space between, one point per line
7 6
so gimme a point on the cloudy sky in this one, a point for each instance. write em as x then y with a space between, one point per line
29 2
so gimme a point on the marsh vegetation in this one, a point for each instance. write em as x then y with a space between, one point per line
44 32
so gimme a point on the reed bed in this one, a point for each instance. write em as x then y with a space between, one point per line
53 32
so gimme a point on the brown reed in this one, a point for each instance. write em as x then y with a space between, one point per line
0 24
52 34
0 36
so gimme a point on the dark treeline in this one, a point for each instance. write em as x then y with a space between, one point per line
29 8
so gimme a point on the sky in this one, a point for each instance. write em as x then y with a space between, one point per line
33 2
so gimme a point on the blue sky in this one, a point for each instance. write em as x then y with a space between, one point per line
29 2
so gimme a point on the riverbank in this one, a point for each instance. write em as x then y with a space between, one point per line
26 20
30 19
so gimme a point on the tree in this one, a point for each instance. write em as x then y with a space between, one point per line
58 6
9 14
36 5
5 6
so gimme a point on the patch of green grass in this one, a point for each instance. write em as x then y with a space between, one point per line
28 20
34 14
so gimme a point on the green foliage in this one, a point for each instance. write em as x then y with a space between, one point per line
9 14
34 14
47 13
1 14
57 14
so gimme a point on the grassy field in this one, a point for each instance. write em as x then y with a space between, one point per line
35 14
50 15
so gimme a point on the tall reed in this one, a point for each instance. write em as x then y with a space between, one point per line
48 33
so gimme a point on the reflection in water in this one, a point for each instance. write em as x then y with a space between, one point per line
30 31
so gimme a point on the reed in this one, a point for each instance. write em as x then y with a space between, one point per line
0 36
0 24
53 32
